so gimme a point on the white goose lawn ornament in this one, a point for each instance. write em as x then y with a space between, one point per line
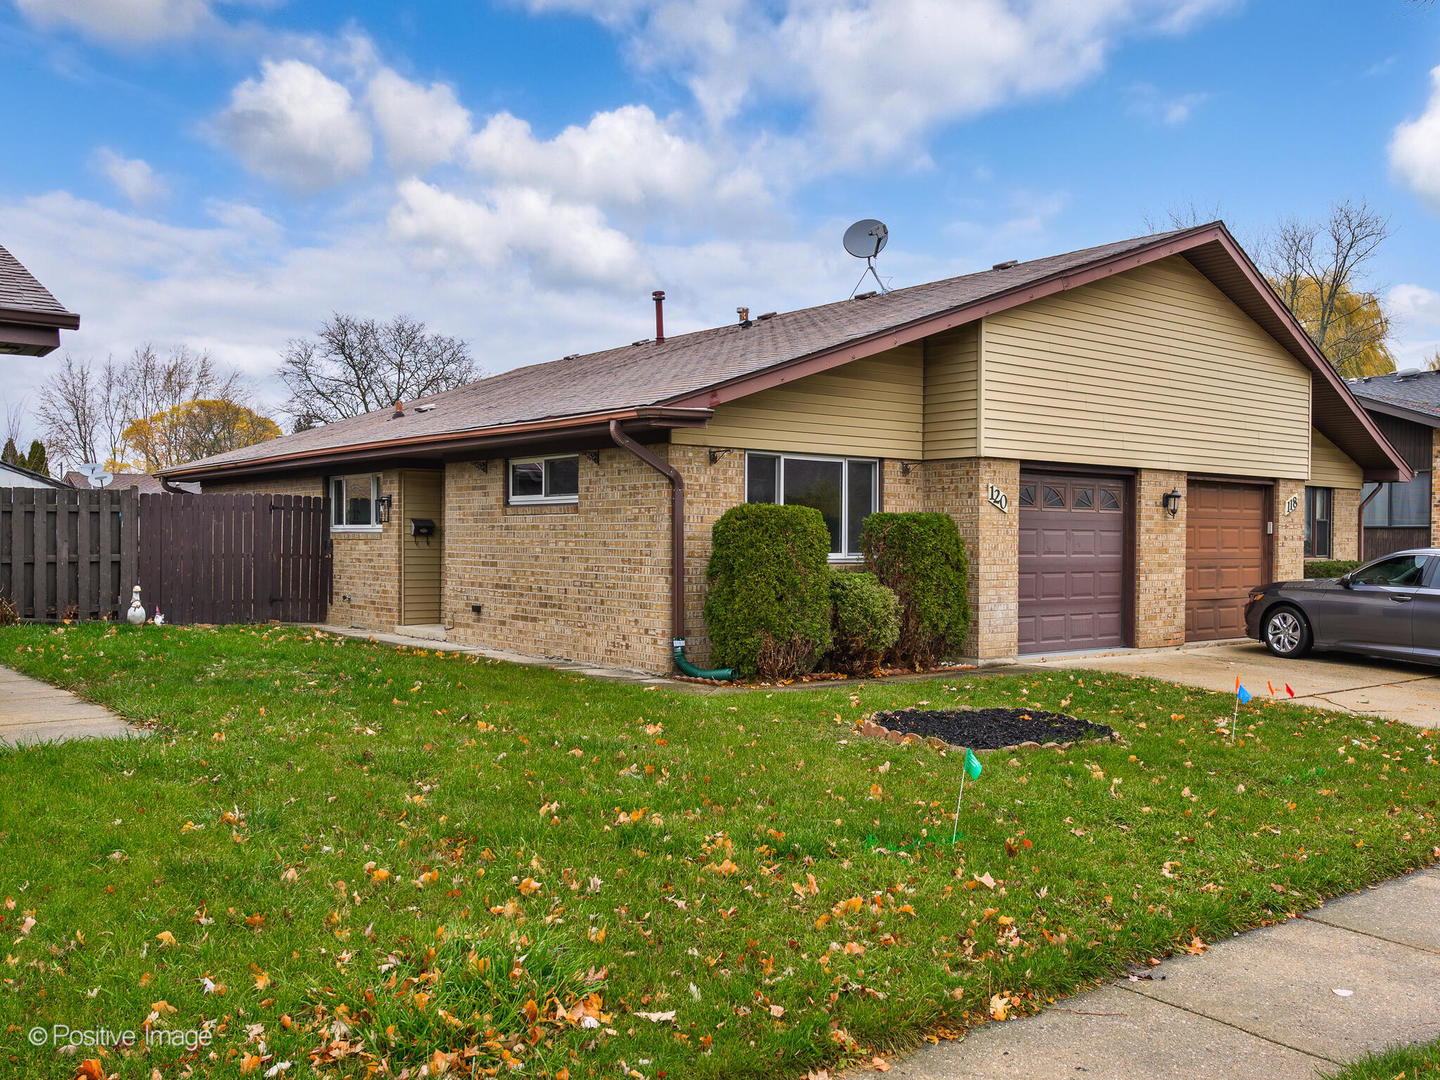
136 615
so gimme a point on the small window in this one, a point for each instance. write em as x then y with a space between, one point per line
1109 501
845 490
1319 531
1084 498
553 479
354 503
1054 498
1027 494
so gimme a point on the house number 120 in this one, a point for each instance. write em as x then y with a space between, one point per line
998 499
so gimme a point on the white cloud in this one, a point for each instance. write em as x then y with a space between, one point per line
125 21
296 126
1152 106
1415 302
132 177
625 157
422 126
1415 148
876 74
514 228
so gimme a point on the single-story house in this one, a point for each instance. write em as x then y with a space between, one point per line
30 317
17 476
1123 434
1399 515
140 483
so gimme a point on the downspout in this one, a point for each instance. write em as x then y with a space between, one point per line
677 553
171 488
1360 523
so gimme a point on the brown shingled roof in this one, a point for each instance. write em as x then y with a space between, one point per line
22 294
694 372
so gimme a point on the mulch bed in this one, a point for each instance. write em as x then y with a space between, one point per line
985 729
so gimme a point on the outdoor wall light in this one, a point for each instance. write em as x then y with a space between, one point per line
1171 501
382 505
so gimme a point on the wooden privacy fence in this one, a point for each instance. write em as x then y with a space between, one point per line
197 558
235 558
68 554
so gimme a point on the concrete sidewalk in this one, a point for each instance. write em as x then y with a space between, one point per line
1345 683
32 711
1261 1004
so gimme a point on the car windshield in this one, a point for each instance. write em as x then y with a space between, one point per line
1404 571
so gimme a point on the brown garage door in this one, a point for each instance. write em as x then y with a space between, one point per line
1072 562
1225 556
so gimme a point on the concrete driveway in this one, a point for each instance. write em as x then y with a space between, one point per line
1407 692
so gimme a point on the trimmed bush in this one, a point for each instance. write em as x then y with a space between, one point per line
768 608
922 559
864 621
1328 568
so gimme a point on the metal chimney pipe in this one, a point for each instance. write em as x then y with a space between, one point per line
659 295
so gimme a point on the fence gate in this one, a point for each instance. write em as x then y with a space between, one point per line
68 554
235 558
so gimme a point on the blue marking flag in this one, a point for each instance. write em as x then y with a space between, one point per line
1243 694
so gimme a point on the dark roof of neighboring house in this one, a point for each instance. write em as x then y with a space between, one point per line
143 483
5 465
21 294
1412 396
676 382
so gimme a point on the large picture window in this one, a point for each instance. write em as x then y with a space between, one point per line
844 490
551 479
355 503
1404 505
1319 528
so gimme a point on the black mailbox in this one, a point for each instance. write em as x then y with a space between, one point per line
422 527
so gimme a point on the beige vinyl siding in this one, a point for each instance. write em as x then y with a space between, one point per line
420 559
872 407
1154 368
952 393
1330 466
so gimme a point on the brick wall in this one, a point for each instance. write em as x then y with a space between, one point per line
1289 537
1435 486
1159 561
587 582
1345 519
992 545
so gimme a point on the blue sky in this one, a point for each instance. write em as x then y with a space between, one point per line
523 173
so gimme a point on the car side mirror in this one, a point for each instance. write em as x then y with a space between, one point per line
1346 582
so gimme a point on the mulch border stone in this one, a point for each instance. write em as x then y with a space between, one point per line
867 726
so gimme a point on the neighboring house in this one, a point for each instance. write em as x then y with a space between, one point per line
1123 434
1406 407
15 476
30 317
142 483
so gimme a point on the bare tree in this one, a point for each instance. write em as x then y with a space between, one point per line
1184 215
355 366
70 410
1315 268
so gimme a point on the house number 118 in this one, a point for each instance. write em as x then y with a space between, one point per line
998 498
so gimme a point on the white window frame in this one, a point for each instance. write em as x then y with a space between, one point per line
539 500
835 556
337 506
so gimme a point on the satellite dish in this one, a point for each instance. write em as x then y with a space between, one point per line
866 238
95 474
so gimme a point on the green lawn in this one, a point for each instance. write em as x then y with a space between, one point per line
1397 1063
335 852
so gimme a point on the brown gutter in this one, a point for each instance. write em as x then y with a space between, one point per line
447 441
66 321
677 525
1360 523
171 488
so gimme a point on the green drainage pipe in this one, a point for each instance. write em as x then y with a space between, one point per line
687 668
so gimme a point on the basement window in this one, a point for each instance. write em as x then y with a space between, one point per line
845 490
551 479
354 503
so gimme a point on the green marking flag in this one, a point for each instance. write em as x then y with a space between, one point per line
972 764
972 770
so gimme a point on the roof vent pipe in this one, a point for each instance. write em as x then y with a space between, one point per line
659 295
399 411
744 313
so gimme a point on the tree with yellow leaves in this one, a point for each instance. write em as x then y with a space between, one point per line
196 429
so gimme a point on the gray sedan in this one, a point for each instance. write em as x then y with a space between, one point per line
1389 607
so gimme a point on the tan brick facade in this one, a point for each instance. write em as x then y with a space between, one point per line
1289 538
1434 489
1345 521
1159 560
957 487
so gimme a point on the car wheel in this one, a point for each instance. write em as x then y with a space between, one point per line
1285 632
